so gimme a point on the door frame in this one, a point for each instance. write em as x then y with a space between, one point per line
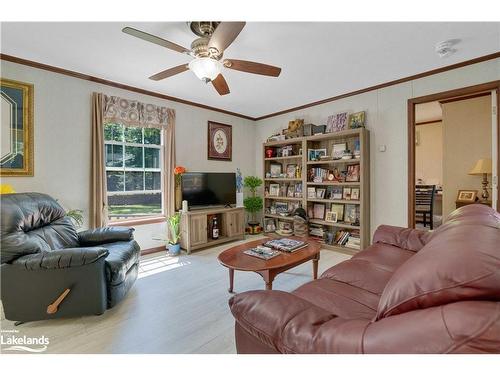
445 95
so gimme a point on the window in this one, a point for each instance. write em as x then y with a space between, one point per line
133 171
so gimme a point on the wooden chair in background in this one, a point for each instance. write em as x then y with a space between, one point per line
424 204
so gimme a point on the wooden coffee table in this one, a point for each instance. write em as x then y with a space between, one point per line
235 259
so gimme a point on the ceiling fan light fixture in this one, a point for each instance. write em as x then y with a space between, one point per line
205 68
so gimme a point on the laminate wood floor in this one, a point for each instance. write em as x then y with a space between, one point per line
178 305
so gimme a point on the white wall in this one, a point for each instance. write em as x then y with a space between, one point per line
62 139
387 121
429 153
466 139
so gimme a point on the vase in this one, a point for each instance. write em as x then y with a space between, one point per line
174 249
239 199
178 198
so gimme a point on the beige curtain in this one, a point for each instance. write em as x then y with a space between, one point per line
169 163
98 199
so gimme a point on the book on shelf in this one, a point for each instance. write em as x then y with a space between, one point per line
316 230
285 244
262 252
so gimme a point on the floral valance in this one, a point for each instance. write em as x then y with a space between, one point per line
135 113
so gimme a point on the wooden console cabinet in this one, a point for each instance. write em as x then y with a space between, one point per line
195 226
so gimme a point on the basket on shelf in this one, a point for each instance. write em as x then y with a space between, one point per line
300 226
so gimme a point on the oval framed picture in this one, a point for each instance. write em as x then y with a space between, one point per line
219 141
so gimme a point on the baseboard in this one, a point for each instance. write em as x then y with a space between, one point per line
153 250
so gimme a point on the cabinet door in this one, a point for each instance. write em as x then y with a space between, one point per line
198 230
235 223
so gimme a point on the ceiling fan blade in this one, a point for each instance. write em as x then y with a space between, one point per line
220 85
155 39
252 67
225 34
169 72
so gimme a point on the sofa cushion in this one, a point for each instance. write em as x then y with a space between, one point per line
122 256
340 299
460 262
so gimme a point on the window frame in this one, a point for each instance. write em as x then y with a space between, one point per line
145 219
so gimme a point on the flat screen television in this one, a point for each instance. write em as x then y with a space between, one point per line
208 189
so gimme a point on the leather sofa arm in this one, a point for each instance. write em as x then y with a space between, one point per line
59 259
459 327
405 238
98 236
290 324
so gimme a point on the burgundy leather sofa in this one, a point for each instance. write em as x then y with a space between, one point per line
409 292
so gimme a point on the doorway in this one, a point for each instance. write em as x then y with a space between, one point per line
452 136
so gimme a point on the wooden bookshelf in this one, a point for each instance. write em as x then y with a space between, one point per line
323 141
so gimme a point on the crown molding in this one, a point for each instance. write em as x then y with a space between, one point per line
386 84
102 81
86 77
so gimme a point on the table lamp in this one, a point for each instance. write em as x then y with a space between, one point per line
483 167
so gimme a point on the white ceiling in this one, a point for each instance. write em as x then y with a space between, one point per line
319 59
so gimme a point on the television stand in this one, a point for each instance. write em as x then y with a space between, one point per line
196 227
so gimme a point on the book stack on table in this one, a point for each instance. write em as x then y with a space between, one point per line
287 245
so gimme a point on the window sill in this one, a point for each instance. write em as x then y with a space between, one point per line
137 222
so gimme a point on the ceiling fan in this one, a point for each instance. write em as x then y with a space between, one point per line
207 51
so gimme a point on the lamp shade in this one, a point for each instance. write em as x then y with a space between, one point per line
482 166
205 68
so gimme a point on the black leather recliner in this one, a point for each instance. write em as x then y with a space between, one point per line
43 256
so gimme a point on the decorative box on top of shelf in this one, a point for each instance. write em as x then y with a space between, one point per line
354 195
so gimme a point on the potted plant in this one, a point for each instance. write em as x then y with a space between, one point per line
174 245
253 203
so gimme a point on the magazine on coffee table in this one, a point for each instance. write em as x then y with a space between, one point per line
262 252
286 244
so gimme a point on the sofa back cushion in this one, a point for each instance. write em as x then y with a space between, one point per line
460 262
33 222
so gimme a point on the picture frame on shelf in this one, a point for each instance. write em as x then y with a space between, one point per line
281 208
357 120
337 192
352 173
346 194
274 190
337 122
320 152
311 192
310 211
311 154
269 225
283 190
338 176
275 169
339 210
320 193
298 190
291 191
466 196
291 169
338 150
351 214
355 194
292 206
319 211
331 216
